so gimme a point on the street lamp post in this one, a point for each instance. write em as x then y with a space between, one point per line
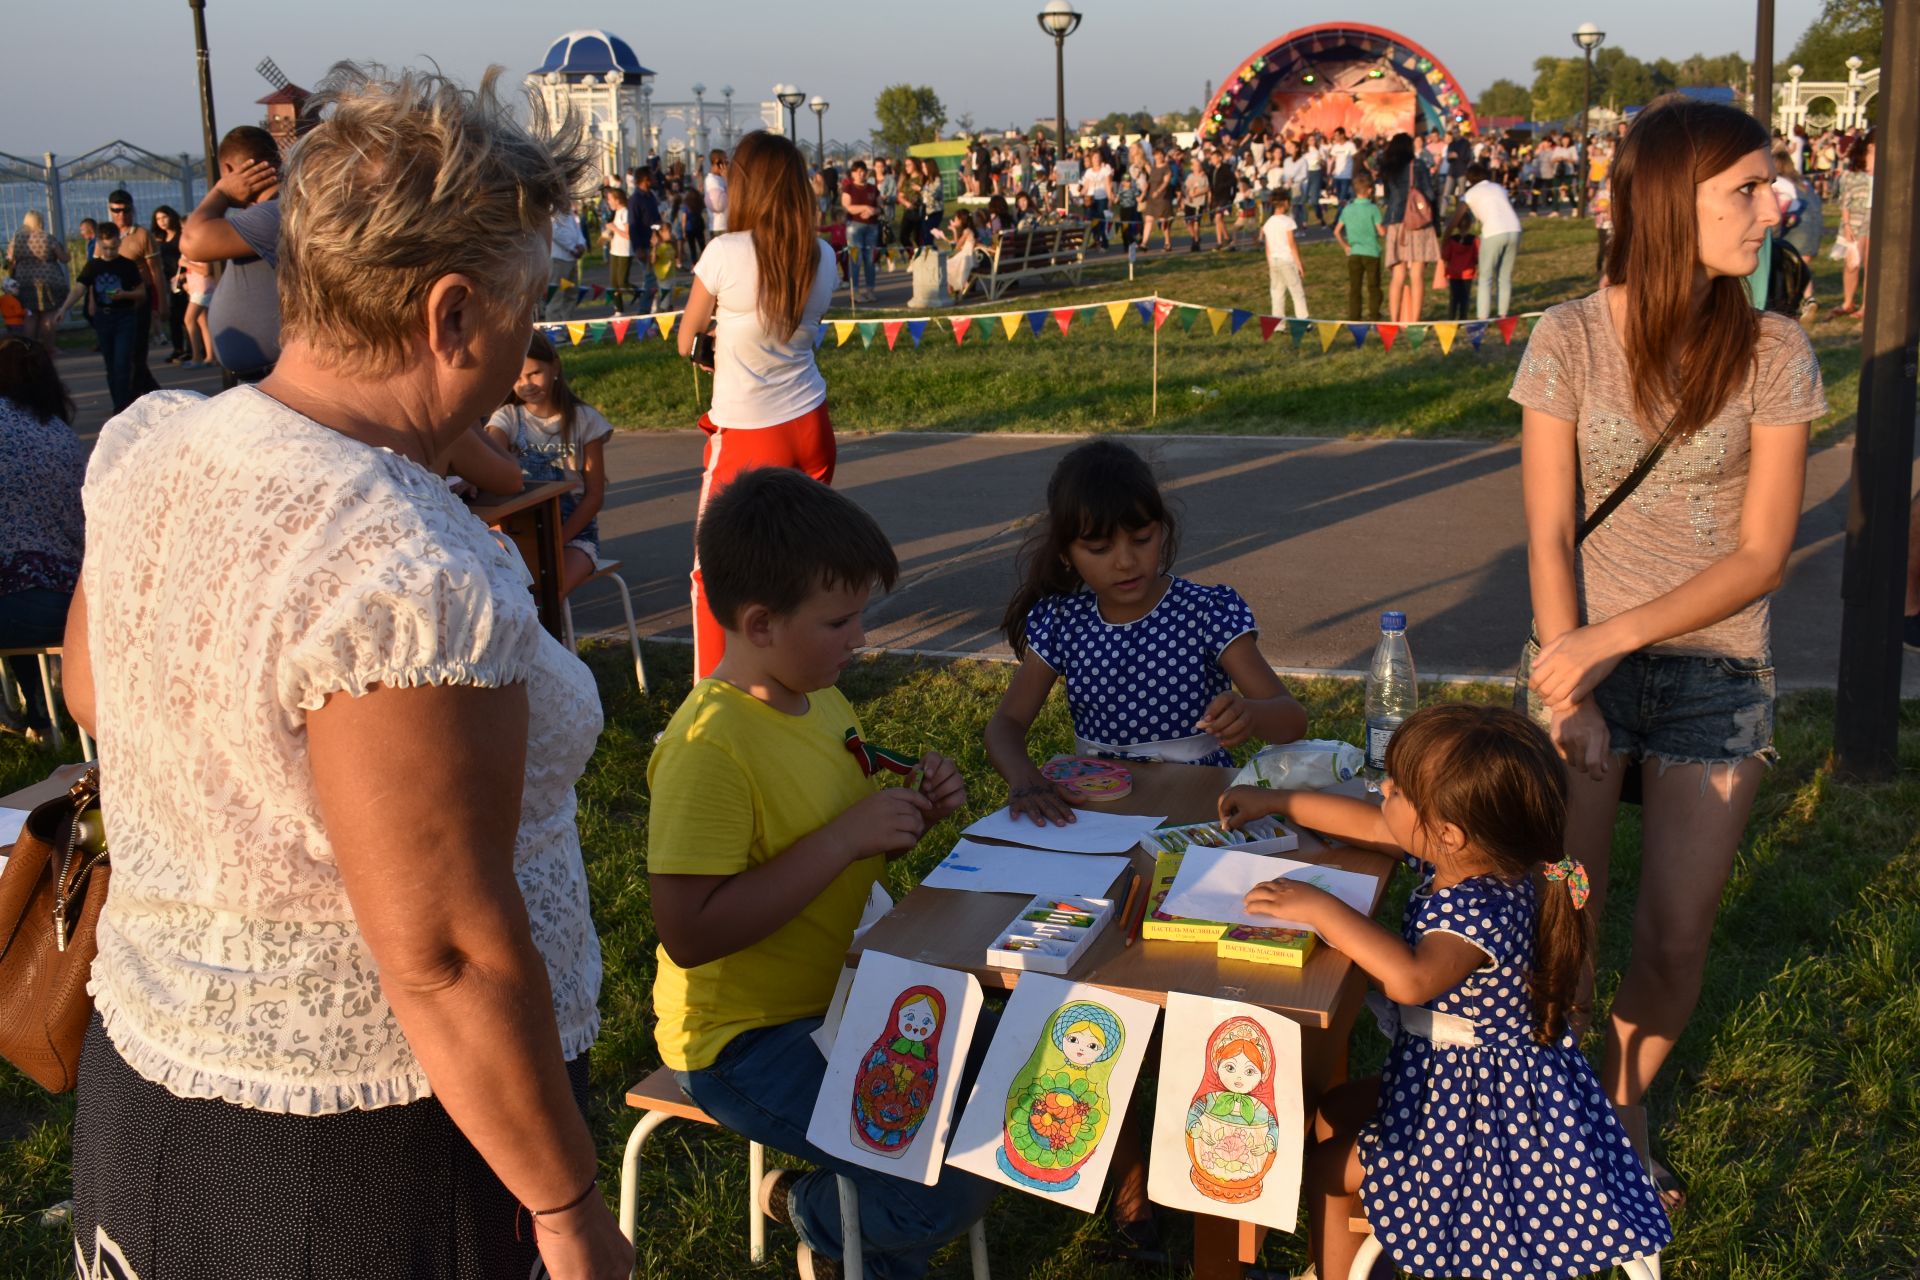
790 97
700 117
1059 20
819 106
1589 38
726 91
646 123
1763 65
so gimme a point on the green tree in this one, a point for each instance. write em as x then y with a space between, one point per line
908 114
1700 69
1557 85
1844 29
1504 98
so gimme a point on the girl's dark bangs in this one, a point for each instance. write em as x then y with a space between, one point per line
1106 509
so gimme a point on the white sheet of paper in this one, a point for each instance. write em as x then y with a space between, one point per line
995 868
1212 883
880 1014
1245 1164
1041 1051
11 820
1090 832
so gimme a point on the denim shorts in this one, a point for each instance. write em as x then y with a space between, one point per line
1680 709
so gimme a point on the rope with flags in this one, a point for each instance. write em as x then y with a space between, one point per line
1152 310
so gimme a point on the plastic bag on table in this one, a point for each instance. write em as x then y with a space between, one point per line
1308 765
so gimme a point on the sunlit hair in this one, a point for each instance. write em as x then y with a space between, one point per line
1494 774
1673 147
31 220
776 536
408 178
560 394
768 197
1099 490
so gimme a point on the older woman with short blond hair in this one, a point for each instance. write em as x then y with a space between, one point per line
347 977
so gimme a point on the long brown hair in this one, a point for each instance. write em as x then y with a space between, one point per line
1671 149
1494 774
541 348
768 197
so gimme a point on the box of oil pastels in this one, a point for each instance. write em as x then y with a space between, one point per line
1051 932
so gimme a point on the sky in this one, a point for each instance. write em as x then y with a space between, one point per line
988 59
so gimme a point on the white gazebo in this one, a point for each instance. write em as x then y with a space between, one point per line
1826 104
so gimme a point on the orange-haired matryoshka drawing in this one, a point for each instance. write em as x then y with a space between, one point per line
1232 1133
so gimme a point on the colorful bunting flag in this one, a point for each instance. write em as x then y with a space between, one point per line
869 330
1116 312
1161 310
1036 321
1239 318
1359 332
914 329
1217 318
1507 324
1476 332
1010 321
1146 313
1064 318
597 331
577 331
1388 332
599 292
1327 329
960 326
620 327
1267 325
1187 316
819 334
1445 334
842 330
1416 334
892 329
665 321
1297 329
580 295
642 327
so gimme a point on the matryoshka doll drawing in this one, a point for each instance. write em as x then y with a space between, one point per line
1058 1106
1232 1132
894 1088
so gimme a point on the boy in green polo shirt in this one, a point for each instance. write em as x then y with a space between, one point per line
1358 231
766 835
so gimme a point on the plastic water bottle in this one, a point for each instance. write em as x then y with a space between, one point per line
1392 693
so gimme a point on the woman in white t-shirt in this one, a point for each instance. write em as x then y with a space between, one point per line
761 288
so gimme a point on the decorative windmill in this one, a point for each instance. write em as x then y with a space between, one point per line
283 104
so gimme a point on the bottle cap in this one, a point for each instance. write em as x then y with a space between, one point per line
1393 621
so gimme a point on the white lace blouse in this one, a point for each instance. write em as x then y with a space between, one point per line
243 563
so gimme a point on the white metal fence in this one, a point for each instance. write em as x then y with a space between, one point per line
65 190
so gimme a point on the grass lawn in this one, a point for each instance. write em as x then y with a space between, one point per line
1099 379
1792 1107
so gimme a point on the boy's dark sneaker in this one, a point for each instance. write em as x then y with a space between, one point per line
1910 632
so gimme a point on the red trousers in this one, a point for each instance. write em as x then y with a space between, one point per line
804 443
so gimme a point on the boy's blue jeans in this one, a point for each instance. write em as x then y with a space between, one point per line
119 334
763 1087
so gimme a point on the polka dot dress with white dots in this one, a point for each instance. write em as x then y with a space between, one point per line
1504 1160
1146 681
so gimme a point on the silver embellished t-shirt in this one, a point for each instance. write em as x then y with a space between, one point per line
1686 513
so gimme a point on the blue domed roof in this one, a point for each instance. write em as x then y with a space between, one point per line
580 53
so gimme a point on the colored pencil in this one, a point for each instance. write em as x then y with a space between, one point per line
1126 911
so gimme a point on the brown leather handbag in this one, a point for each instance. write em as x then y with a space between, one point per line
51 893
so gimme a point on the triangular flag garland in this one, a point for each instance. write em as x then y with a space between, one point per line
1036 321
915 328
1239 318
577 331
1507 324
1476 333
1445 334
621 325
644 326
1064 318
1328 331
1297 329
869 330
1359 332
1267 325
892 329
1161 310
1010 321
1416 334
1187 316
1217 318
1388 332
596 331
1146 309
960 326
842 330
666 320
1116 312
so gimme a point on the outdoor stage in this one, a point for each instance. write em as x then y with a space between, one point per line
1338 75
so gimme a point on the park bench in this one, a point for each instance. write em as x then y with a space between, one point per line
1033 255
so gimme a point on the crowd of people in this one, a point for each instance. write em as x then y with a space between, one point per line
340 990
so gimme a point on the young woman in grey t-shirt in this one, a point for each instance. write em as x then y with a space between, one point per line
1652 648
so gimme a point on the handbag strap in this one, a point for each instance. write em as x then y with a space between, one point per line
1625 488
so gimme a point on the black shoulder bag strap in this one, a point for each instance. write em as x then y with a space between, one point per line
1625 488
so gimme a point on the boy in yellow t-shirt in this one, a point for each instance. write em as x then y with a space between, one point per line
765 839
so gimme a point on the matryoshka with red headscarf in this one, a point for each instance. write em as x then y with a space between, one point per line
1232 1132
893 1090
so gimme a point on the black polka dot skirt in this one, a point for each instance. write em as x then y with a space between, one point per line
170 1188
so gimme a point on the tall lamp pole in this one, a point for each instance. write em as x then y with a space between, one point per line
1589 38
1763 65
819 106
1059 20
207 131
700 120
726 91
790 97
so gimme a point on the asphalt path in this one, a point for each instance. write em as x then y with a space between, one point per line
1319 535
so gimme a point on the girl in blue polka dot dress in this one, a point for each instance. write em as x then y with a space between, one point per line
1156 667
1487 1147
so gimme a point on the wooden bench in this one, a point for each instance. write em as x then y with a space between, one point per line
1033 255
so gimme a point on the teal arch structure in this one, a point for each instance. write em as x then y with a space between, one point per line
1244 93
